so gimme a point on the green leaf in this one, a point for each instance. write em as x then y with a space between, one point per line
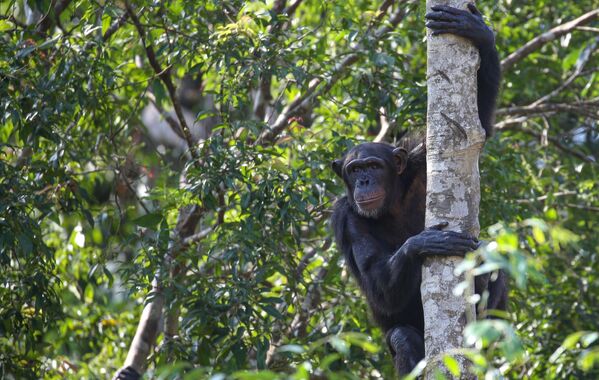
452 365
149 220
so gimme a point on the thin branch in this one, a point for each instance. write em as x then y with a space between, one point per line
545 197
385 126
299 324
196 237
507 124
165 77
112 29
317 88
46 22
167 117
292 7
264 97
124 178
383 10
583 207
555 141
585 108
588 29
586 56
539 41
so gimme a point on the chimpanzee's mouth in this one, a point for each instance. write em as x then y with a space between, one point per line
367 201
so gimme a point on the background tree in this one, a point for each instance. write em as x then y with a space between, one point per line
89 205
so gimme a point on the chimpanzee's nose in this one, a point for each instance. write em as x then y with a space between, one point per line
363 182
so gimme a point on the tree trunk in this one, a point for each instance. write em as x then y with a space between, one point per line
149 323
454 141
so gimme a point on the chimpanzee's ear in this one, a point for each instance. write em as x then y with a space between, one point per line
337 167
401 159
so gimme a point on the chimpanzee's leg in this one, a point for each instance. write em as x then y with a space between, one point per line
407 347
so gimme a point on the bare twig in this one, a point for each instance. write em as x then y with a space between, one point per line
583 207
165 77
554 140
554 33
588 29
545 197
385 126
196 237
588 108
508 123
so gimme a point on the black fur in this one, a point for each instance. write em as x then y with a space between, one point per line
384 241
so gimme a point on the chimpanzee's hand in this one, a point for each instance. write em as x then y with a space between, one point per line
467 24
434 242
127 373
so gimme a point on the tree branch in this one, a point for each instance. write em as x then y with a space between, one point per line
299 324
165 77
115 26
586 56
539 41
318 87
585 108
554 140
56 9
588 29
292 7
583 207
264 96
545 197
167 117
149 323
385 126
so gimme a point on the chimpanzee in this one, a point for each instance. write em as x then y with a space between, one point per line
379 224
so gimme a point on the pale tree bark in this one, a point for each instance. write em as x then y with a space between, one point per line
454 141
149 326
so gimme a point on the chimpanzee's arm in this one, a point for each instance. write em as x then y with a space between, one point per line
470 24
390 278
385 278
488 78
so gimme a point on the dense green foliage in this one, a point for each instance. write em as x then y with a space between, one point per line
88 205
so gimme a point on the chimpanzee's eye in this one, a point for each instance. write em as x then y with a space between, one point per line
355 169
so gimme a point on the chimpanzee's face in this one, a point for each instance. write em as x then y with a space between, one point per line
369 171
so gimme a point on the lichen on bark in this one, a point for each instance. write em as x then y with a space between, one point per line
454 140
